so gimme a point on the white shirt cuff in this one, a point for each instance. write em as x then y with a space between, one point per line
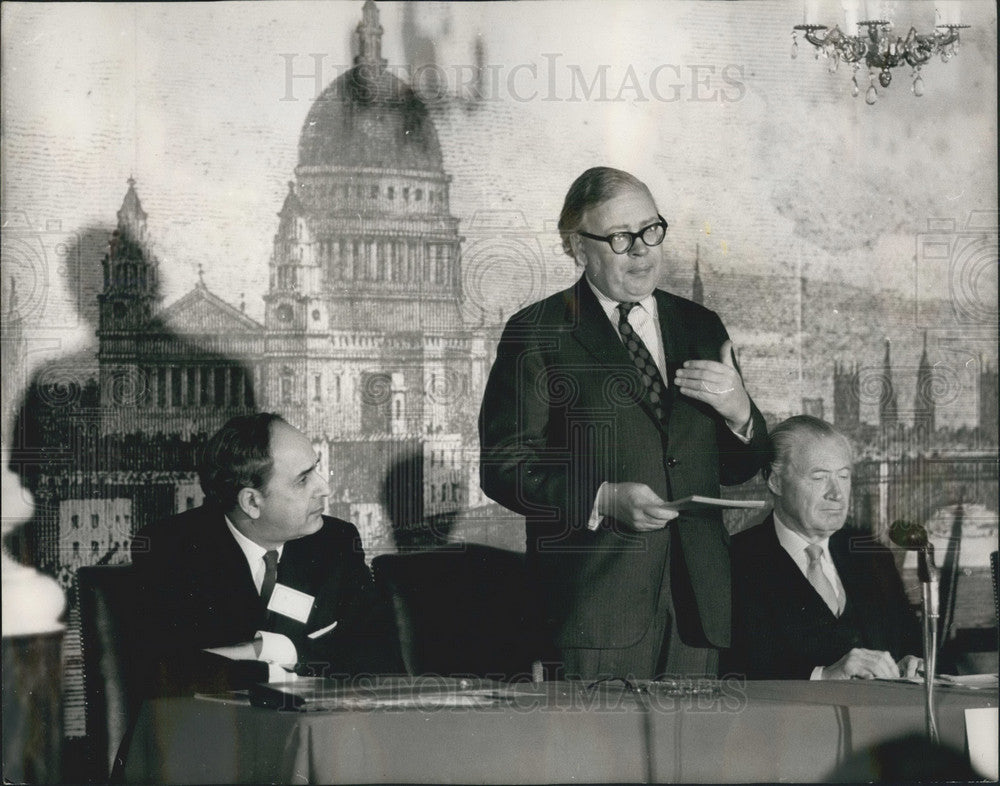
817 673
595 517
276 673
276 648
739 433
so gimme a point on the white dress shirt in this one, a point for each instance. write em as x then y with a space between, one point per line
275 648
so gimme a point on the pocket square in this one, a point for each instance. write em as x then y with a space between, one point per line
323 631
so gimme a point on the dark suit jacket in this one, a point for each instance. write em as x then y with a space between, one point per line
782 629
565 410
197 591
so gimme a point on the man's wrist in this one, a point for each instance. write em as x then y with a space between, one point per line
274 648
600 506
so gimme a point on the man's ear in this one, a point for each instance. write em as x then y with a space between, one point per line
774 484
248 501
576 250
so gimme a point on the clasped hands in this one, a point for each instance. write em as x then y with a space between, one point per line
873 664
719 385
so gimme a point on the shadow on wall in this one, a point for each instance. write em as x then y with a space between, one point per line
402 497
98 458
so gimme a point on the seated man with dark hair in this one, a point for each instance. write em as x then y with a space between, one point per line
810 600
257 584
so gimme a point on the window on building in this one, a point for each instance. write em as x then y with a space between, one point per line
317 386
74 521
236 386
419 195
95 547
189 503
286 390
220 387
95 521
175 387
374 192
161 388
76 548
406 193
391 192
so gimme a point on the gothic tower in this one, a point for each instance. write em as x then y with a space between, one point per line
846 397
888 411
923 402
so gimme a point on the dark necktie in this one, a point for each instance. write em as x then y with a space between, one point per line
637 350
270 576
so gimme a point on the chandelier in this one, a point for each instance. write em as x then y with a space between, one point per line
880 51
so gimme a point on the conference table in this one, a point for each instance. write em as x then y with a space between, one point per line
438 730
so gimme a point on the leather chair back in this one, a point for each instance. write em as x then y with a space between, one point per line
463 609
111 677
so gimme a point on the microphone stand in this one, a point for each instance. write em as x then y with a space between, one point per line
930 583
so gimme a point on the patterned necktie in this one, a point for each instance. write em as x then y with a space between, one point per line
637 350
270 576
822 585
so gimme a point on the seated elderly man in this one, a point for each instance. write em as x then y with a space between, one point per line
812 600
258 585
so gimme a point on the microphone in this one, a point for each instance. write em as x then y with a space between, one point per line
913 537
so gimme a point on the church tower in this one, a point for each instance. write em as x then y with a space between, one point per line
126 305
130 293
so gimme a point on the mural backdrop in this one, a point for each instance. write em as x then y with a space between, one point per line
329 210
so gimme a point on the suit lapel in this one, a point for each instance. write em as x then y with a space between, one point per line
857 586
788 575
234 582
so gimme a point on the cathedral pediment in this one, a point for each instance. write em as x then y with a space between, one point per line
201 312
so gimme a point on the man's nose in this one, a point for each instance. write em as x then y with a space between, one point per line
639 249
321 483
835 489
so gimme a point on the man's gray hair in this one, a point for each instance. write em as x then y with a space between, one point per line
783 438
594 187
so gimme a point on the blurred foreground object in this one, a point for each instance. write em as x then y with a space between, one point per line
32 639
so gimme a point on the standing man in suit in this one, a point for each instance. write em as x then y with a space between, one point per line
813 601
257 584
605 402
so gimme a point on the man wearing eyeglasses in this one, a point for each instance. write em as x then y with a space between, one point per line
607 401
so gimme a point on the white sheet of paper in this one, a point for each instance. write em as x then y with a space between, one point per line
981 727
290 602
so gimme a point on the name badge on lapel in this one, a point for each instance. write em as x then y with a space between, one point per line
290 603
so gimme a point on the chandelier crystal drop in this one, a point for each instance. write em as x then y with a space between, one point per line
876 48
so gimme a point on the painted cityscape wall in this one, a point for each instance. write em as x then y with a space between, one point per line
329 210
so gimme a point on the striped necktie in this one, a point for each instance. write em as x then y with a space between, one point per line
643 360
